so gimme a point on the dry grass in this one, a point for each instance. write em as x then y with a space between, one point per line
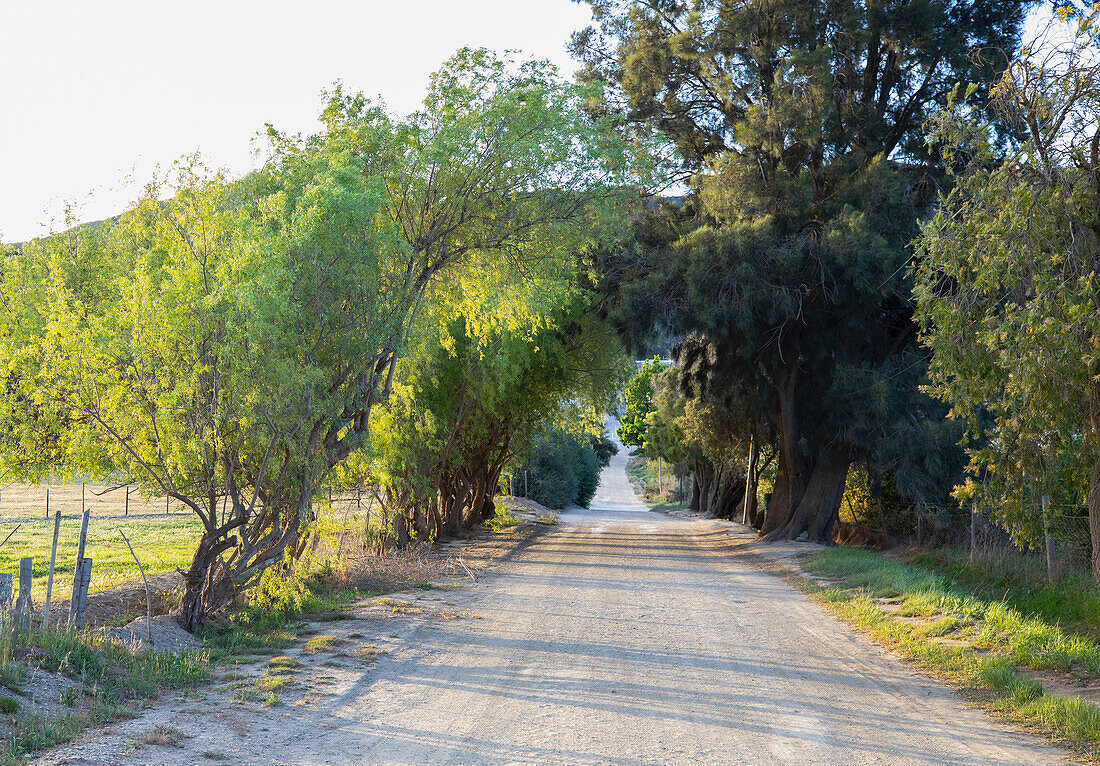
19 501
163 736
367 653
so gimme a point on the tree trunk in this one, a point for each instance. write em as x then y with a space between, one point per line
795 468
232 556
204 587
696 499
1094 480
819 506
727 492
778 509
704 479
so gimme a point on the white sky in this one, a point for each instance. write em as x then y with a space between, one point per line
95 94
94 91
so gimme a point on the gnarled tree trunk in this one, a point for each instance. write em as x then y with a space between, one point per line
819 506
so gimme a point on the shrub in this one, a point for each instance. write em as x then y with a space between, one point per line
562 469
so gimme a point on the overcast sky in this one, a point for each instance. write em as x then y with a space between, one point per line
94 91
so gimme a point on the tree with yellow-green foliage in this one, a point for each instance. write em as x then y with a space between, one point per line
1007 284
225 342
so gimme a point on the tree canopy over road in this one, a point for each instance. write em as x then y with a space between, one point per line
800 129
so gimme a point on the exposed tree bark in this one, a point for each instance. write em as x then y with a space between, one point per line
795 467
727 492
702 489
1094 479
818 508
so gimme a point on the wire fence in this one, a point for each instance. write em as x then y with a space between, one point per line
1060 543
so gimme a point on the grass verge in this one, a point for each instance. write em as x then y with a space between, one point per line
109 682
979 644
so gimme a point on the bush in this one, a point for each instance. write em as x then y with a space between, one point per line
604 448
562 469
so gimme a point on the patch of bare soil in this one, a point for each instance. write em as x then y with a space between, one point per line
43 693
163 634
124 603
1055 682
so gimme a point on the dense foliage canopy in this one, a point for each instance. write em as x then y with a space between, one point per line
800 128
225 342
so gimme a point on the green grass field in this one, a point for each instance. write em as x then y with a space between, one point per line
162 544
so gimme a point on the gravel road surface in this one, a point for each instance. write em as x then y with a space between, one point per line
618 637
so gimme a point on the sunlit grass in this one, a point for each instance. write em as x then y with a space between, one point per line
161 544
993 641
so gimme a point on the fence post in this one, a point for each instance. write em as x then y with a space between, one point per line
24 605
82 600
127 511
525 482
6 579
53 559
47 501
74 602
1048 539
973 532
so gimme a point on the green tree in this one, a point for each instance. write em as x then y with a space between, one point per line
225 343
562 469
1007 286
638 403
469 402
800 128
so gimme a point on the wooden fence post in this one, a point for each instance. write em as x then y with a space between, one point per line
6 579
24 606
82 599
127 511
1048 539
74 602
53 559
47 501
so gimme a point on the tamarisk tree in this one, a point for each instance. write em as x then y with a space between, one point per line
224 342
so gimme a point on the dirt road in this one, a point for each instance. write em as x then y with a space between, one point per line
618 637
